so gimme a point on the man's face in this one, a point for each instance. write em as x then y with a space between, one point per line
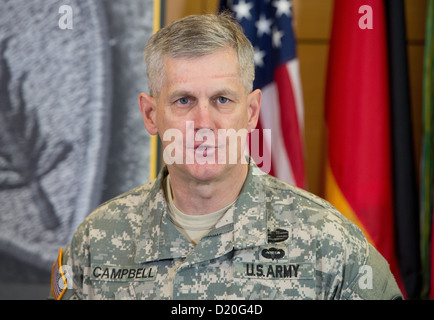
203 98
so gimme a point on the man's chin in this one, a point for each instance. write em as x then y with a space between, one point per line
207 172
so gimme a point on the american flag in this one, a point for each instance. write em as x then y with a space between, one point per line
268 25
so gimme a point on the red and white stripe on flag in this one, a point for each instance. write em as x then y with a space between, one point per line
282 111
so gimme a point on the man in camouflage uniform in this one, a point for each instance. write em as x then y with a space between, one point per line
222 230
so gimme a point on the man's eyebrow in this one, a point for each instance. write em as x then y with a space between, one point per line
179 94
225 92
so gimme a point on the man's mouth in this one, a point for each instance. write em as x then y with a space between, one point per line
205 150
204 147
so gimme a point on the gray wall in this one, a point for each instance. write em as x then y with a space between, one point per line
71 134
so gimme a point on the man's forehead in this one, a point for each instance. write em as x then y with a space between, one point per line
178 71
173 80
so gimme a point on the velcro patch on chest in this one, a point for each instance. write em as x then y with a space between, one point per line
123 273
291 271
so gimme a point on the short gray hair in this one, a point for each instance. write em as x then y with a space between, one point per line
196 36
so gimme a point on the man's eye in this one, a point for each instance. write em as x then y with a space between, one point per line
183 101
222 100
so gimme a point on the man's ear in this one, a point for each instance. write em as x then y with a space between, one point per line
148 107
254 106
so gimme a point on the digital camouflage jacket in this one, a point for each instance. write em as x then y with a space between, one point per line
275 242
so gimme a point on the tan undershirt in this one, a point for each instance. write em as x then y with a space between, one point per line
193 227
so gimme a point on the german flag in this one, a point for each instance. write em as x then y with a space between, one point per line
405 191
358 178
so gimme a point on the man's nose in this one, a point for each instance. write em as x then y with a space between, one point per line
203 116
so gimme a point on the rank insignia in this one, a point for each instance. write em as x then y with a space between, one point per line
277 235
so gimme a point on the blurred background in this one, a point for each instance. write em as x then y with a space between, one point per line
72 137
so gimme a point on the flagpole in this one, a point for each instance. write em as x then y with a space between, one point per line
154 146
427 162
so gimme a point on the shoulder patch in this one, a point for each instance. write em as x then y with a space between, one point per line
58 279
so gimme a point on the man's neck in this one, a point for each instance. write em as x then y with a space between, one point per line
202 197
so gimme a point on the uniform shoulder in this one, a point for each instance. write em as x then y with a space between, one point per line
130 202
294 196
309 211
306 197
123 212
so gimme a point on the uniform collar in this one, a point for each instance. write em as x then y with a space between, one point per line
159 239
247 218
250 213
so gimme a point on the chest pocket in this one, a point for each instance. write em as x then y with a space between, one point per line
125 292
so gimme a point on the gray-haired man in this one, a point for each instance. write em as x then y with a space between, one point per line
216 229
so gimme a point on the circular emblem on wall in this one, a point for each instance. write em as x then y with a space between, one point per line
54 117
